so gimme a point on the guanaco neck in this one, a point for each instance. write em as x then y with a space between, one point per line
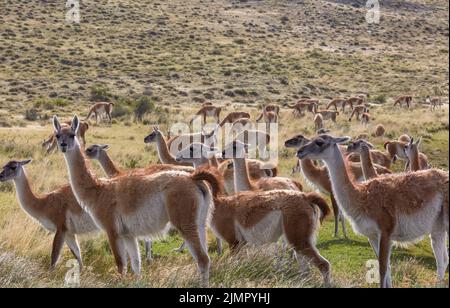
108 165
315 174
414 160
163 151
84 184
241 178
29 202
368 169
200 163
213 162
344 190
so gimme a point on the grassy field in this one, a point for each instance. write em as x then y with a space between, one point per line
171 56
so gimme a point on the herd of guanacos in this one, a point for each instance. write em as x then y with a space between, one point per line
243 201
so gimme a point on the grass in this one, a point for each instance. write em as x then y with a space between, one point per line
23 239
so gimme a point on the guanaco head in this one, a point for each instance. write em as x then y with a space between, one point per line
356 146
13 170
196 151
412 148
66 136
95 150
321 147
153 136
236 149
296 142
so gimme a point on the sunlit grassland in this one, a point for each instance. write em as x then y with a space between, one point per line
25 246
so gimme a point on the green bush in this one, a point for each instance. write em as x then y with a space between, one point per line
380 99
143 106
100 93
50 104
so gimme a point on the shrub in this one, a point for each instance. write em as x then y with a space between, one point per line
100 93
380 99
143 106
31 114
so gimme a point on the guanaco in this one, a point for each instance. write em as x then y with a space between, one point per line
165 156
405 99
101 109
358 111
328 114
269 108
417 161
51 144
434 102
380 130
393 208
318 122
364 148
365 118
208 111
310 105
139 205
336 103
257 218
234 116
58 211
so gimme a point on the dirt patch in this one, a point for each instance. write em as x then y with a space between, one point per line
389 4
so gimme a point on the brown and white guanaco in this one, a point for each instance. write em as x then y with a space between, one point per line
392 208
99 110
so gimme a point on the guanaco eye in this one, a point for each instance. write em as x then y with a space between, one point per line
72 136
58 136
13 168
319 143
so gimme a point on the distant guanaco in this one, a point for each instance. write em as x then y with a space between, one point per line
434 102
233 117
405 99
365 118
318 122
358 111
208 111
328 114
303 105
99 110
337 102
269 108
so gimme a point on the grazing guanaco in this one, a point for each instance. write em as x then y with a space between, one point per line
208 111
380 130
336 103
57 211
363 148
139 205
404 138
328 114
101 109
269 108
398 208
51 144
405 99
365 118
310 105
358 111
318 122
234 116
355 101
434 102
258 218
417 161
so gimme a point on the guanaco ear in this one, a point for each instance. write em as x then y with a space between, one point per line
56 124
370 145
105 147
340 140
25 162
75 124
419 141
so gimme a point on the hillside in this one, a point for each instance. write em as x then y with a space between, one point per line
241 51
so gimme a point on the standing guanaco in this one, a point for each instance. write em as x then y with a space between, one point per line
58 211
208 111
405 99
398 208
99 110
139 205
51 144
